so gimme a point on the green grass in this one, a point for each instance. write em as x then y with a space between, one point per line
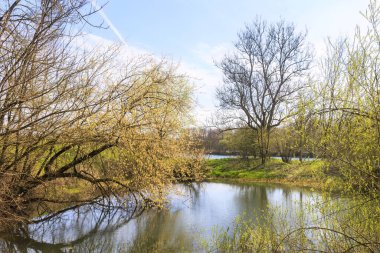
308 172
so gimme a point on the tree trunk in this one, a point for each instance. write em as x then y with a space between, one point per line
263 139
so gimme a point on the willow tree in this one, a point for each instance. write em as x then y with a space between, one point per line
262 77
83 118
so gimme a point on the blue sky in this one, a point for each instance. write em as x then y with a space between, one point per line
197 32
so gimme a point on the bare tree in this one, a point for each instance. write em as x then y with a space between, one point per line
263 76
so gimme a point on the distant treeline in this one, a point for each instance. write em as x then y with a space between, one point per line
243 142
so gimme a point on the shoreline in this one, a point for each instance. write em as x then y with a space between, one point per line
309 174
313 185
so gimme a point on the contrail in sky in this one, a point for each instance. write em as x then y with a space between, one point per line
109 22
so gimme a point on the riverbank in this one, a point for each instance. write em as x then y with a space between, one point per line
312 174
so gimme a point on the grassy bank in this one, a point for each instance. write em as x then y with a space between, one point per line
309 173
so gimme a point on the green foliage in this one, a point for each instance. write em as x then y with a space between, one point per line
242 141
347 101
330 225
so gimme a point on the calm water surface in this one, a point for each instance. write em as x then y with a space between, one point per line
220 156
189 217
235 156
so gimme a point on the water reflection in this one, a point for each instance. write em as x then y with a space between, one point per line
192 212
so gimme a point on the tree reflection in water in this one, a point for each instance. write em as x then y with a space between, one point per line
189 217
96 228
86 228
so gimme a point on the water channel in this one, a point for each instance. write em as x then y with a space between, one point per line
192 214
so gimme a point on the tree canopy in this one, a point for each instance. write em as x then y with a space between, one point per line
84 117
263 75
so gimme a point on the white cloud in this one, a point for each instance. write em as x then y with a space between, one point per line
205 76
211 54
205 80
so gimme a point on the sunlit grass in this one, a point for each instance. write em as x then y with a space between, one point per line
275 170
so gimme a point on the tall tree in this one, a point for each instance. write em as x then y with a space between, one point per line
263 75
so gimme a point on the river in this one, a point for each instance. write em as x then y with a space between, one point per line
192 214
